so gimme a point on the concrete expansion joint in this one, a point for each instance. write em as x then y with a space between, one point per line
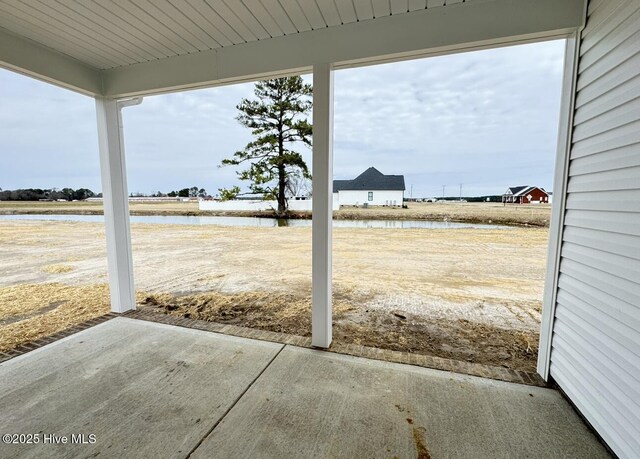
235 402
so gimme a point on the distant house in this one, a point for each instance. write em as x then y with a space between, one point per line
525 195
372 188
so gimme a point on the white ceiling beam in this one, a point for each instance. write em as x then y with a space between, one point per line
477 24
30 58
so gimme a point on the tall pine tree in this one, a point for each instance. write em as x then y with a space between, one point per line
278 121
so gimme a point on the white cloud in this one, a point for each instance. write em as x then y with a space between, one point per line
487 119
47 135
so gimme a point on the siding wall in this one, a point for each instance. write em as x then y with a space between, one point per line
380 198
260 205
595 355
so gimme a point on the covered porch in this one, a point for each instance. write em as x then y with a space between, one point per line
152 390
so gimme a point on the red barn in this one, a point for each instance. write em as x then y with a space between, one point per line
525 195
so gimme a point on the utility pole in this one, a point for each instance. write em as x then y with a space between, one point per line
411 190
443 187
461 192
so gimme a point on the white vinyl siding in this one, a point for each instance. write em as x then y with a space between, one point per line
595 350
380 197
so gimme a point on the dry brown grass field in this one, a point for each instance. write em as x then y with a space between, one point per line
466 294
476 212
532 215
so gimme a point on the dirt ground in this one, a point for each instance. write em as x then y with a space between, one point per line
473 212
466 294
496 213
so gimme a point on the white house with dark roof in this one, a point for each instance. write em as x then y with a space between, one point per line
372 188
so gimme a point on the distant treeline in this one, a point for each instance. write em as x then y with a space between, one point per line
193 192
69 194
490 198
53 194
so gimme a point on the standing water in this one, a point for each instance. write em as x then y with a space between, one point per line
259 221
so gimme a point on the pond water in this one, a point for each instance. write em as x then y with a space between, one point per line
259 222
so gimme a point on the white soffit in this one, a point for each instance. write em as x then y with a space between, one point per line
110 36
115 33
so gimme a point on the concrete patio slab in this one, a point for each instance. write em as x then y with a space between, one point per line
143 389
153 390
316 404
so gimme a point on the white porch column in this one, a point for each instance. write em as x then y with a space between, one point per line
321 325
116 202
558 206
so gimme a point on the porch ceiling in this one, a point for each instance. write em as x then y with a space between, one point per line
112 34
119 47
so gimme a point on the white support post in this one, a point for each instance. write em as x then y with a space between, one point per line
116 202
321 319
565 134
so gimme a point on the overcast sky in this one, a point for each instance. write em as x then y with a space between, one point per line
485 119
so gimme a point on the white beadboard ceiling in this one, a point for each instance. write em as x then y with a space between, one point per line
113 33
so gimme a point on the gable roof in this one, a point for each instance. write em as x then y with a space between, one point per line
516 189
371 179
522 190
